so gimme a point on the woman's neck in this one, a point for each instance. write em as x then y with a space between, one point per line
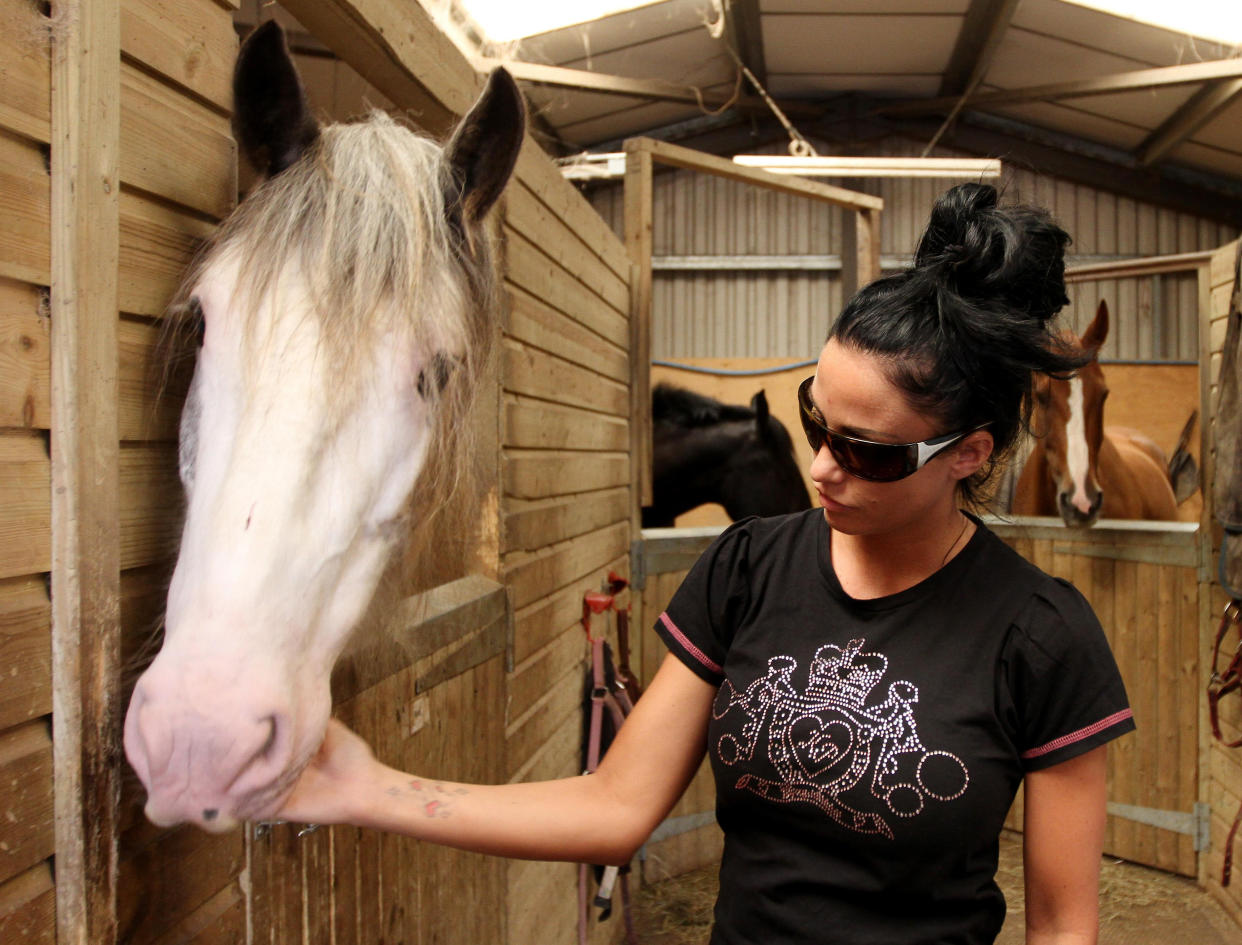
870 566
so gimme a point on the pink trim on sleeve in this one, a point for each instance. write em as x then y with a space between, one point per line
688 646
1079 735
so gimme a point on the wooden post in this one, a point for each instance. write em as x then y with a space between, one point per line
86 712
638 242
860 251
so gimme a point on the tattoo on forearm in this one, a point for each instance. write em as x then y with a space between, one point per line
435 797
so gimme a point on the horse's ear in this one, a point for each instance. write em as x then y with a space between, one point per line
759 404
484 148
1097 331
271 116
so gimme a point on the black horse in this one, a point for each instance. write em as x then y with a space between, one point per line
706 451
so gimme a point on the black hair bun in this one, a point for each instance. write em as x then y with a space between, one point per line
985 253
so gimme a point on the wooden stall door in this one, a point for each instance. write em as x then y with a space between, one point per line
1143 584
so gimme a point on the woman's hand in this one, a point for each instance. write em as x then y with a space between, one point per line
339 773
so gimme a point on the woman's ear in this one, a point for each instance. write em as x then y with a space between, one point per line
970 454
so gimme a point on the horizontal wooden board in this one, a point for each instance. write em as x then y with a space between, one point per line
546 181
531 576
157 243
25 357
1221 270
26 79
536 374
174 147
538 623
568 654
221 920
150 505
28 908
26 835
25 650
540 474
543 424
148 405
529 525
25 194
530 269
192 43
527 733
165 880
25 512
541 326
534 220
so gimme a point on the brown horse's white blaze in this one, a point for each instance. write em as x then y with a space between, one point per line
1078 469
346 308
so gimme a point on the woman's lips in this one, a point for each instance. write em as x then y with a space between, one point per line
830 504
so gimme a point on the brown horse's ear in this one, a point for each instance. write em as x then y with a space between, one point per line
272 121
484 148
759 404
1093 338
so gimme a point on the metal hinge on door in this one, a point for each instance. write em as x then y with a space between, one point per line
1196 823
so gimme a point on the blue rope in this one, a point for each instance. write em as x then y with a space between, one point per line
725 372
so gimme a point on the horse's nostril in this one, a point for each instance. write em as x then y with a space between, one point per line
210 814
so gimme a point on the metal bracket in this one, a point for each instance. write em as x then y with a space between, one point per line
638 564
1196 823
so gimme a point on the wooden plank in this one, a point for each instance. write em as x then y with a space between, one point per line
85 565
1136 268
537 624
536 374
221 920
540 474
145 410
528 216
527 732
192 43
549 667
25 80
25 650
548 184
540 326
398 48
639 198
542 424
540 276
25 357
25 513
1167 692
25 194
157 243
675 156
600 83
1221 267
530 525
149 499
175 148
26 829
532 576
1186 712
28 908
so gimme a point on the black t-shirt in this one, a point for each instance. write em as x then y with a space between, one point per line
866 752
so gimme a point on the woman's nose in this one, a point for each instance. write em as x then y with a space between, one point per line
824 466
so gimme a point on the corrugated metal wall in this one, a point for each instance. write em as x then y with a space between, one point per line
716 308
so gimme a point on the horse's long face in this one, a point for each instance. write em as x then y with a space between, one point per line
297 471
1069 415
301 439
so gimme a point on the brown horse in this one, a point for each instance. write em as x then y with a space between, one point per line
1080 469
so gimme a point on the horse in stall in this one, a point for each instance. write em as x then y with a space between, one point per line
707 451
343 316
1081 470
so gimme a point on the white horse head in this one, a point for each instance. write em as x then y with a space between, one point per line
346 309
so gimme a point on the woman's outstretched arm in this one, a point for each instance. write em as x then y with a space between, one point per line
600 818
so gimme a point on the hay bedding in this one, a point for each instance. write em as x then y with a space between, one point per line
1138 906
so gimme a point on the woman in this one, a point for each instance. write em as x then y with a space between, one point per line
872 679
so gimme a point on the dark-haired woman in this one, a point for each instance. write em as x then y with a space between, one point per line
873 679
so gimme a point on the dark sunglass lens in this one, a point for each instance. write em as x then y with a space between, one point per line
876 461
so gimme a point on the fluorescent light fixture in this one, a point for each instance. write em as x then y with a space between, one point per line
975 169
1219 20
506 20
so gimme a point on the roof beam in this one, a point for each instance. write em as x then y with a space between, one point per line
746 36
1197 111
1140 79
983 26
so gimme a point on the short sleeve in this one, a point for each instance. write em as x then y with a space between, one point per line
1064 692
698 625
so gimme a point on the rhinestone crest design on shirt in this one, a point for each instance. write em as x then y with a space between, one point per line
830 748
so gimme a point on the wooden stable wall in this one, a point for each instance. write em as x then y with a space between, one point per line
470 680
1222 766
